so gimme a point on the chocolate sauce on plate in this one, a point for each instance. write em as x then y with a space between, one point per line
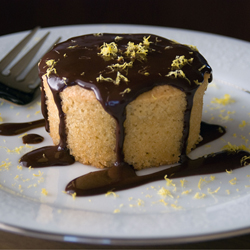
32 139
19 128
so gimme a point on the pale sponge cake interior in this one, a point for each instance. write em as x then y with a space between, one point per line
153 126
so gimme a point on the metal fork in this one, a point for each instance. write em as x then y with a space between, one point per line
21 91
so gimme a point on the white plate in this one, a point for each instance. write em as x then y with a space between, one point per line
143 217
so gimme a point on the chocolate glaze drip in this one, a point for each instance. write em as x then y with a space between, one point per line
18 128
32 139
80 54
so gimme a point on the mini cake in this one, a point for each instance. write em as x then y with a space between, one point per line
114 98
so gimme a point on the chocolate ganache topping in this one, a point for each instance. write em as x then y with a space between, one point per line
118 68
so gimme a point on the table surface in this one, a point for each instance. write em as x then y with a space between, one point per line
13 241
219 17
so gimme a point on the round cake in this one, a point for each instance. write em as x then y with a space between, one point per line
115 98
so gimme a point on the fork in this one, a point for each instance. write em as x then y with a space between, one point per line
21 91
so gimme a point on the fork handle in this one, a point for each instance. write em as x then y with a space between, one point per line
15 96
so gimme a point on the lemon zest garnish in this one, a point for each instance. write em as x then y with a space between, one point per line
213 192
203 180
179 62
187 191
243 124
119 78
109 51
229 171
39 174
224 101
121 67
73 195
165 192
176 207
98 34
233 181
177 73
199 195
146 41
72 46
136 51
118 38
168 181
111 193
44 191
100 78
116 211
244 159
183 182
127 90
212 177
197 82
235 148
51 67
140 202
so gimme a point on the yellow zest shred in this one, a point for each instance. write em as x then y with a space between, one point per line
235 148
116 211
51 67
118 38
244 161
224 101
187 191
179 62
109 51
100 78
136 51
127 90
199 195
112 193
121 67
176 207
168 181
165 192
213 192
243 124
119 78
183 182
233 181
177 73
44 191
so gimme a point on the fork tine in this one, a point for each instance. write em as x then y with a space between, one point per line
14 52
25 60
32 75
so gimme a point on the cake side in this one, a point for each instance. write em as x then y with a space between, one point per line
153 127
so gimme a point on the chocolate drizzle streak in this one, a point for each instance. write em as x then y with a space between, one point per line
124 177
19 128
